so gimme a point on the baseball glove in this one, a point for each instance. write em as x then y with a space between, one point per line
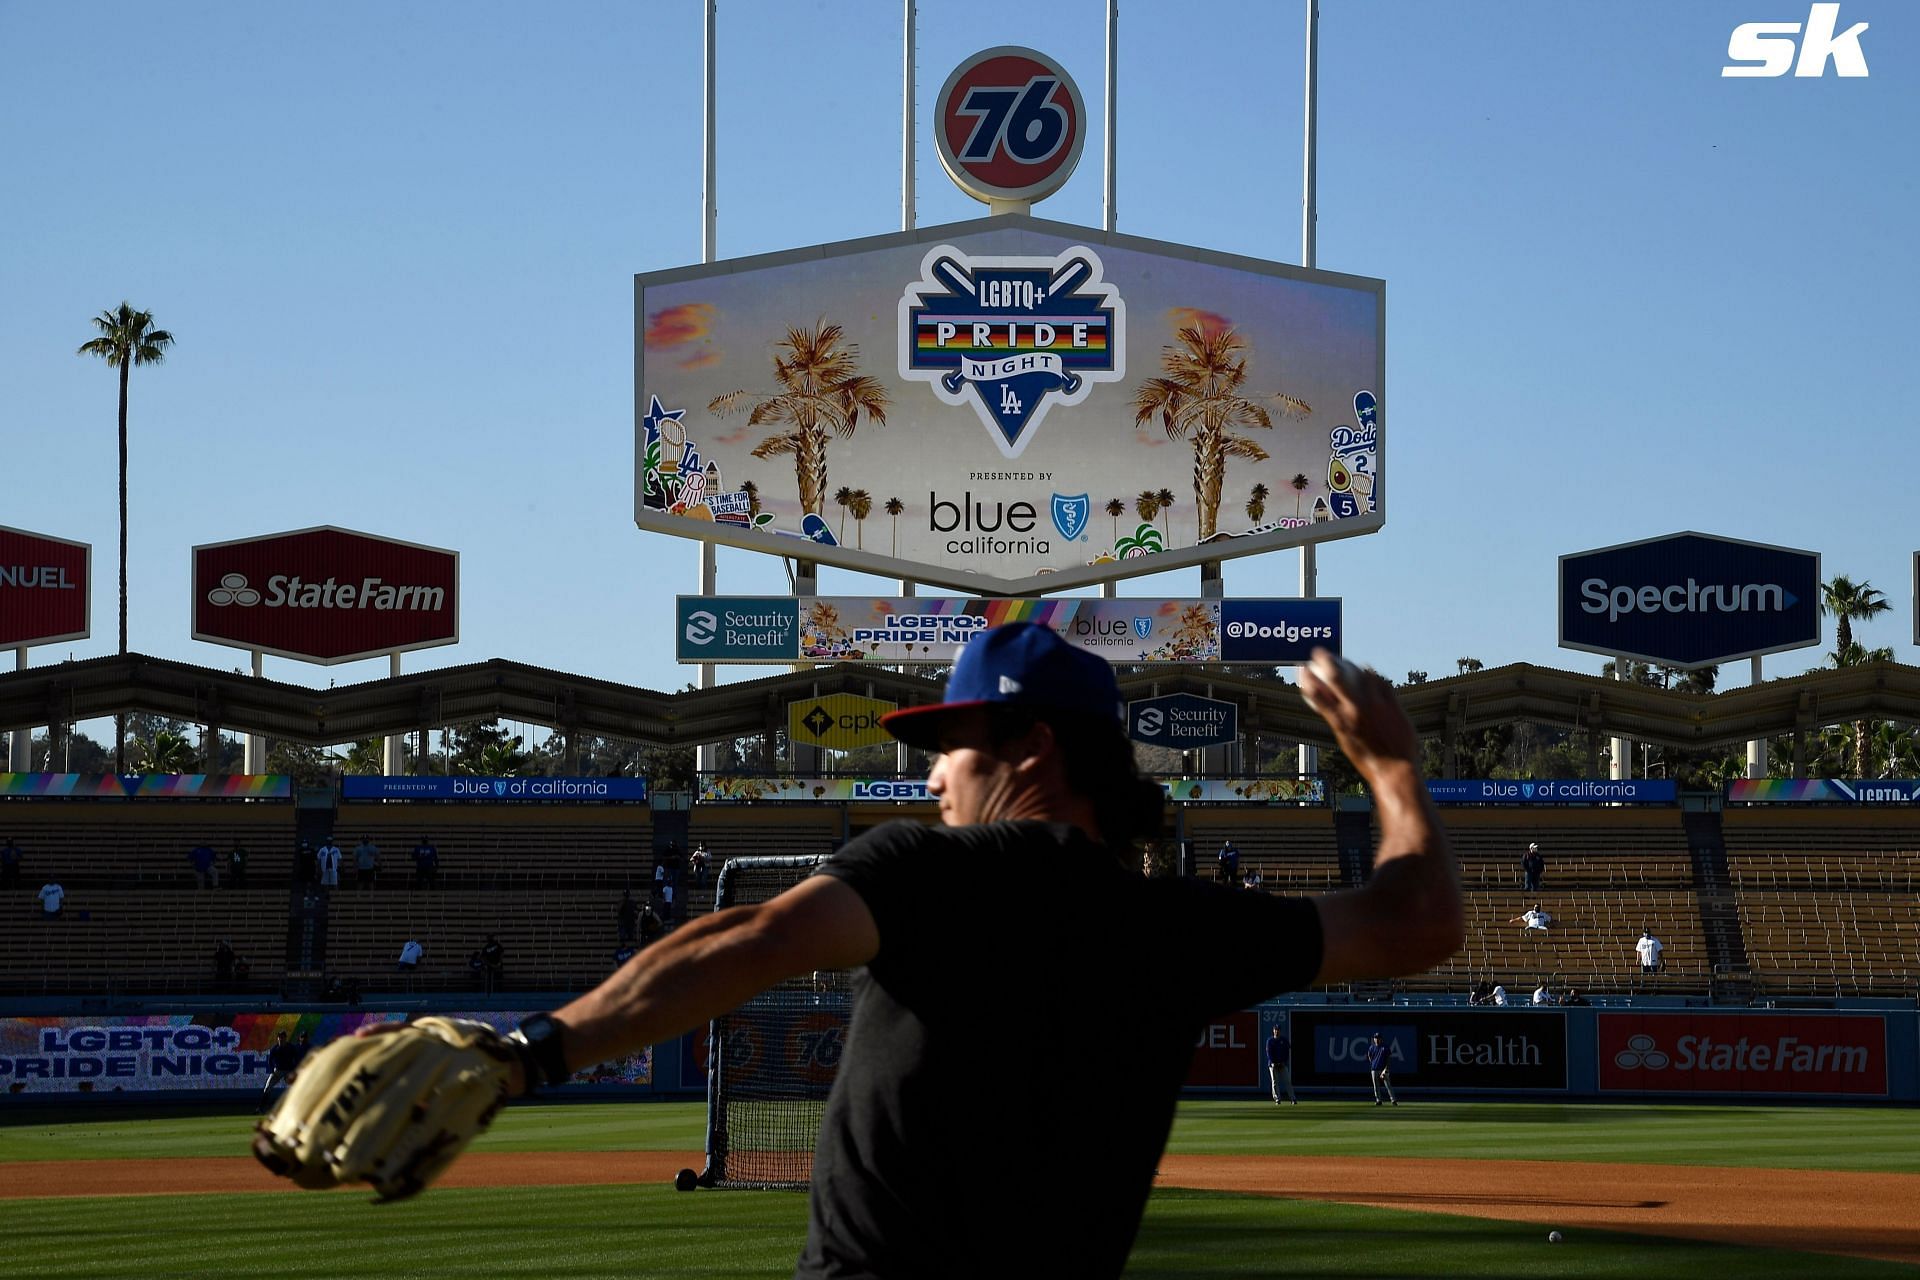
391 1109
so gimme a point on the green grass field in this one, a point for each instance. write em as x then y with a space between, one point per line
626 1231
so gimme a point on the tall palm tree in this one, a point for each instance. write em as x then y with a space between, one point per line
1850 602
127 338
1116 508
752 491
1165 500
1147 505
1199 400
1257 503
893 508
821 391
861 504
841 498
1299 485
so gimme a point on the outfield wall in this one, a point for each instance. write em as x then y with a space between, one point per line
1450 1051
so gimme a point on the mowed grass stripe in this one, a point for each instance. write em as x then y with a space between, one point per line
654 1231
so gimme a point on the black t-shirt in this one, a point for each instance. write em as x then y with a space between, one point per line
1010 1074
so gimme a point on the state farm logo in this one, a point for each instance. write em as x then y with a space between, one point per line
290 591
1641 1051
233 589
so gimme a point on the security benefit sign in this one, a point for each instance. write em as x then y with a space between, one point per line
1501 1050
46 589
840 721
1689 600
1008 405
1183 721
1822 1054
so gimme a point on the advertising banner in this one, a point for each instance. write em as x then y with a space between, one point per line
1438 1048
729 790
905 630
1774 1053
1246 790
1013 405
1689 599
46 589
1183 721
1553 790
1227 1053
1823 791
840 721
184 1051
494 790
147 786
325 595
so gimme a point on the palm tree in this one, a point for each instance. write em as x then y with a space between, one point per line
1299 485
1199 400
1849 602
1147 505
1165 499
127 338
752 491
821 391
503 759
841 497
1116 508
1257 503
166 752
367 756
861 504
893 508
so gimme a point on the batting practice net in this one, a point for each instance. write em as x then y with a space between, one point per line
771 1062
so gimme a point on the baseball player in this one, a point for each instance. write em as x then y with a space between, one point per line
281 1061
917 1148
1380 1067
1280 1066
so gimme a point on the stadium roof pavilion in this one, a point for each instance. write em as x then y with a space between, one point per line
95 688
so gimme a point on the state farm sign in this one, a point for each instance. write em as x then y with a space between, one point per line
326 595
1743 1053
45 588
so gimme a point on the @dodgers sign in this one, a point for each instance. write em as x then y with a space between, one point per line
1009 125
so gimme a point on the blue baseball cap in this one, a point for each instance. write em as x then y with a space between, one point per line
1021 665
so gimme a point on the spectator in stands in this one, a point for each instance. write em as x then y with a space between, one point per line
1499 996
1532 867
697 863
9 864
627 916
328 862
204 866
237 866
1573 998
1252 880
302 1049
242 971
1543 994
651 926
426 863
223 962
366 862
495 957
410 954
477 966
51 896
626 952
1482 993
1648 949
1227 868
1535 920
663 900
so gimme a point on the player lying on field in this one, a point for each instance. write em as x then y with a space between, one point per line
934 1154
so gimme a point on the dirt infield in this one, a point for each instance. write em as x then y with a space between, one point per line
1817 1212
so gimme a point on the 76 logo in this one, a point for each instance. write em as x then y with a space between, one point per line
1022 120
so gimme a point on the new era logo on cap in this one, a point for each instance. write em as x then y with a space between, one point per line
1009 685
1023 665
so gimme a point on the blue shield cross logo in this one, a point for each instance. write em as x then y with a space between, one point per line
1070 514
1143 627
499 788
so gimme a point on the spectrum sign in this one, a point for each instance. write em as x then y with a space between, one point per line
45 589
326 595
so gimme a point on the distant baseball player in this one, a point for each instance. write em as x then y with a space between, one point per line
282 1058
919 1149
1280 1065
1380 1067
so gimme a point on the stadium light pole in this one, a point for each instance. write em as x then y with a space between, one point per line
907 214
1110 209
709 568
1756 747
20 753
1309 217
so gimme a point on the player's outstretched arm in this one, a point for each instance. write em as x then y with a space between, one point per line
715 963
1408 917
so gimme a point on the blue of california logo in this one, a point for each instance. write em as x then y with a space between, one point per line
499 788
1012 336
1143 627
1070 514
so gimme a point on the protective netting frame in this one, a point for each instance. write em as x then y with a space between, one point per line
762 1118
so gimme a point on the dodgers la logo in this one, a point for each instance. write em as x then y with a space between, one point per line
1070 514
1012 336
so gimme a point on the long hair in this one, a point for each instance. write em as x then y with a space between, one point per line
1099 766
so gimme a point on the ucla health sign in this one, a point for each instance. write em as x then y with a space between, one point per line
1689 600
1183 721
1278 630
493 790
1553 790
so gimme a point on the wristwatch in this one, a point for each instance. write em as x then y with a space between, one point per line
542 1057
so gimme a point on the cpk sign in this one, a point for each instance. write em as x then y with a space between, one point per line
45 588
1743 1053
1689 599
1010 125
326 595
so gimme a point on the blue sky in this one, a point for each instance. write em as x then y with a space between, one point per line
396 245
